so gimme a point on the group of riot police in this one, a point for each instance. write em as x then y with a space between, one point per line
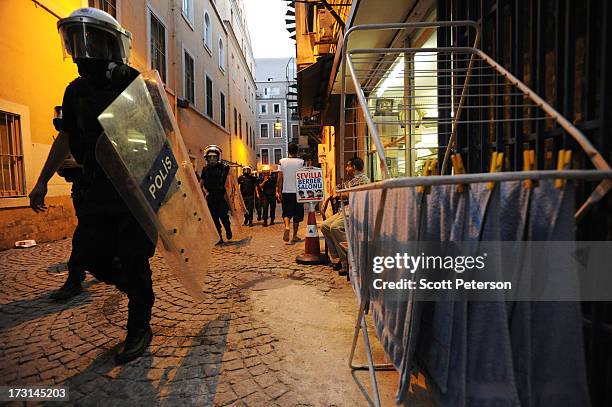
109 242
258 192
259 195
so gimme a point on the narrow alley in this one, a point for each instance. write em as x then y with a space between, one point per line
281 335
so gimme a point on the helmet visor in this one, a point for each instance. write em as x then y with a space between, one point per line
86 41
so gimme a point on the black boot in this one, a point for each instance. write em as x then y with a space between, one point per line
70 289
265 222
134 346
228 232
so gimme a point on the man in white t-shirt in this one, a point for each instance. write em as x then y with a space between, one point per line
287 191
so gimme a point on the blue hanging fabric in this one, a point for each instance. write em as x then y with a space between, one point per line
501 352
550 367
490 373
436 318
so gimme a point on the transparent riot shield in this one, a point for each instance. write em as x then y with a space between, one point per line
235 201
143 154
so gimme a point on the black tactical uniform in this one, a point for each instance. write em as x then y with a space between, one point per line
248 185
259 202
76 268
269 198
110 242
213 179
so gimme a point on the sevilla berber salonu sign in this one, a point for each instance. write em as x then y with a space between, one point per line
309 183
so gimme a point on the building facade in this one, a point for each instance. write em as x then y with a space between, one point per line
277 123
201 49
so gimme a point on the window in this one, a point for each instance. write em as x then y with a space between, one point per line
295 131
248 95
209 97
244 89
222 110
264 156
207 31
221 55
11 156
189 82
278 129
278 154
247 134
263 130
158 46
110 6
187 10
240 125
235 122
263 108
277 108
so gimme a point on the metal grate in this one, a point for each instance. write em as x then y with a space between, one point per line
11 156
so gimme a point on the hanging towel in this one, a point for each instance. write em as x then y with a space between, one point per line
552 370
436 318
490 373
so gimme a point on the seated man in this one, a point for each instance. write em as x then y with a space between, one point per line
333 227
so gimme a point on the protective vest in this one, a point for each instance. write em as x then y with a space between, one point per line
214 177
248 183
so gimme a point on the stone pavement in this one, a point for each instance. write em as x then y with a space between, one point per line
212 353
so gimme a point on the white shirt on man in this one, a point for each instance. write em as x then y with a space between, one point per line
289 166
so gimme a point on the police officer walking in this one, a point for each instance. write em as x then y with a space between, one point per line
248 189
269 198
213 178
109 241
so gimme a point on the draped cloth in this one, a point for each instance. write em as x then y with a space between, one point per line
494 353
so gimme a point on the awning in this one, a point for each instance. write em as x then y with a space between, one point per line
312 85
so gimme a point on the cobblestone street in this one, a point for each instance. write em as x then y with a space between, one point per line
280 336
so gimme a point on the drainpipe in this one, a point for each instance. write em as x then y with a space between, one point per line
229 94
174 65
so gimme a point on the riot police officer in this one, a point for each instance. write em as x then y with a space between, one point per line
248 189
213 178
109 240
268 188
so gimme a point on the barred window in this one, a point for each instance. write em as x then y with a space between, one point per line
11 156
158 47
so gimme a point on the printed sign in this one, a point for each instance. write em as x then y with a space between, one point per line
309 183
159 179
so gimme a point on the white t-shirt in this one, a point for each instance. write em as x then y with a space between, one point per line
289 166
